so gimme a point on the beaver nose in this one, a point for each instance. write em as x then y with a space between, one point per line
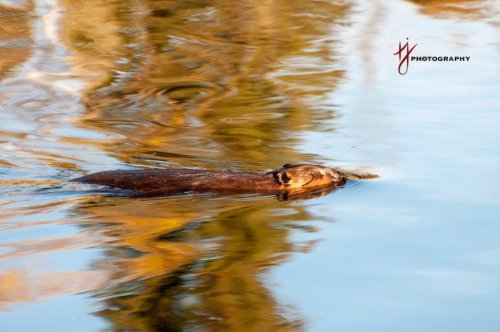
333 174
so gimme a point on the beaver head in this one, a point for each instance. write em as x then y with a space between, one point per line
307 177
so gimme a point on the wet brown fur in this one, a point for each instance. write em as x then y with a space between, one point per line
288 179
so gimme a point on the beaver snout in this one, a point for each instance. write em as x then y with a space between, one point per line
306 177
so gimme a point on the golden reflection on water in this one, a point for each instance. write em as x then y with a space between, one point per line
200 267
456 9
157 83
15 31
175 76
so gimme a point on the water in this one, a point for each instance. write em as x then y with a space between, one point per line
104 85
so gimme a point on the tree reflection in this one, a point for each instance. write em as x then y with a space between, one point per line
210 84
15 37
197 82
454 9
196 268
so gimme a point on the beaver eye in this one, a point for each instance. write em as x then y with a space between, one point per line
318 175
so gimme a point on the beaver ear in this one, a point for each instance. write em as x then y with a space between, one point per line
282 177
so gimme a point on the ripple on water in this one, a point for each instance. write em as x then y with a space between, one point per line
253 117
41 127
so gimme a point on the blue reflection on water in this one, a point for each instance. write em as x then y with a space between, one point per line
417 249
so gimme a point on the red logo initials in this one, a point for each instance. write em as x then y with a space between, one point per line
404 60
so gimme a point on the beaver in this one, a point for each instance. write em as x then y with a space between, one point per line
288 179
